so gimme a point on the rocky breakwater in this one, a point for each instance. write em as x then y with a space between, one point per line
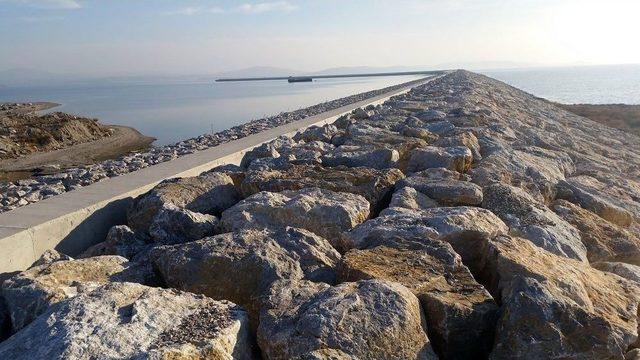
26 191
463 220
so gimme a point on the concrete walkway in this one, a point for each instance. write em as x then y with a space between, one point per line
73 221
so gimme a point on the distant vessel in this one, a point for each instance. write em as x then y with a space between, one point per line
295 79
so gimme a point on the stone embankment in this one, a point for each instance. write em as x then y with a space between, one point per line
23 192
465 219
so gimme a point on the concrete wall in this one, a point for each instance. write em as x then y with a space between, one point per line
73 221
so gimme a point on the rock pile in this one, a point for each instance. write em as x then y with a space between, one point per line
24 192
462 220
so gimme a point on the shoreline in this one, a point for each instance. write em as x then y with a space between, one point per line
121 141
23 192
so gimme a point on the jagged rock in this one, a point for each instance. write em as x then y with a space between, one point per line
441 174
467 139
627 271
419 133
318 133
208 194
132 321
593 195
430 115
377 135
234 171
554 307
533 221
459 312
445 192
410 198
536 170
355 156
368 319
456 158
267 150
441 128
121 240
374 185
29 293
605 241
50 256
241 266
173 225
467 229
324 212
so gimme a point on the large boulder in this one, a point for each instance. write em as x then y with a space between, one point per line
627 271
467 229
555 307
241 266
459 312
174 225
360 156
324 212
368 319
132 321
456 158
374 185
446 192
604 240
210 193
410 198
534 221
29 293
122 241
597 197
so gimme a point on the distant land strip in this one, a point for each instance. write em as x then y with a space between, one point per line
436 72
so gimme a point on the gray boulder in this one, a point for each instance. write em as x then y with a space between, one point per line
347 320
604 240
355 156
410 198
241 266
529 219
375 185
29 293
445 192
596 197
456 158
627 271
122 241
554 307
208 194
323 212
173 225
467 229
131 321
459 312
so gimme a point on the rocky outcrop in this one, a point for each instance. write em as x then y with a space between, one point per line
459 312
300 318
32 292
132 321
374 185
557 307
324 212
208 194
241 266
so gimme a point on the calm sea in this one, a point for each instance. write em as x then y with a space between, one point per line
610 84
173 111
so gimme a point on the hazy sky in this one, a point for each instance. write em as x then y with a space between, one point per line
189 37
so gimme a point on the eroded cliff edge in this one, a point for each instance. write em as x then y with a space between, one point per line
465 219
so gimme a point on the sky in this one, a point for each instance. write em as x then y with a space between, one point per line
129 37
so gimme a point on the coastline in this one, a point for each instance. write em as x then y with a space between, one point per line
26 191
